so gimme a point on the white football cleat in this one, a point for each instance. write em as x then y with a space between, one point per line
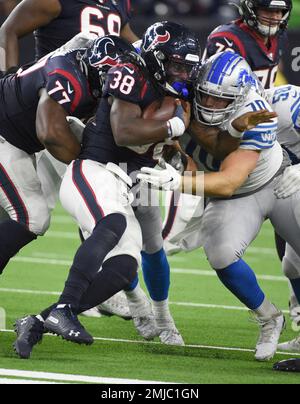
290 346
117 305
146 326
92 313
141 311
295 318
271 329
171 337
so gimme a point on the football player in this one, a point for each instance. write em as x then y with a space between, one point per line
260 37
55 22
34 107
241 188
120 136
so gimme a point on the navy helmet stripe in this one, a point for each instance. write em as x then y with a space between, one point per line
14 197
86 192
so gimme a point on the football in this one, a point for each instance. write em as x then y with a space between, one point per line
161 110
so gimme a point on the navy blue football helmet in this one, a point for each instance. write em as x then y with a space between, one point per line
172 56
249 12
103 54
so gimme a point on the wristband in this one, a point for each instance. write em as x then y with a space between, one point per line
234 133
176 127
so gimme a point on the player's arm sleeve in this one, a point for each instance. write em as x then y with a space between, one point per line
223 41
25 18
261 137
65 89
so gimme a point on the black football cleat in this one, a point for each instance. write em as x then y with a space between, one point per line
63 322
290 365
29 332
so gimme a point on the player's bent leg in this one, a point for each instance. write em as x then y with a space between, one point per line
100 203
227 237
22 198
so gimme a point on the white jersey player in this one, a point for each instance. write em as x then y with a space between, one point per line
241 188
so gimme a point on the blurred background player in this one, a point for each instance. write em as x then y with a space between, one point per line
55 22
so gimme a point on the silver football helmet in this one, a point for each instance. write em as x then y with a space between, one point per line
225 76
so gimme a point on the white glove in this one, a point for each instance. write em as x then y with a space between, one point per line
289 183
77 127
167 179
80 40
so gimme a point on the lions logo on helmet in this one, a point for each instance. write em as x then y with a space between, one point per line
226 76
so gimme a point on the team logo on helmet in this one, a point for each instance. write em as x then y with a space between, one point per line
101 56
154 38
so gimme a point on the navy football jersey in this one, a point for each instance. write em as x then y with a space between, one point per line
238 37
65 83
129 83
99 17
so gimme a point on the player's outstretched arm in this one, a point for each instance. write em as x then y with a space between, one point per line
128 34
220 143
130 129
26 17
53 130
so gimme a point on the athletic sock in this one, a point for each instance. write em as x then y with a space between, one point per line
90 256
163 317
138 302
241 281
266 310
156 271
13 237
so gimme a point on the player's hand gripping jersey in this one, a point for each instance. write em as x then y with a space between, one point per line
99 17
238 37
65 83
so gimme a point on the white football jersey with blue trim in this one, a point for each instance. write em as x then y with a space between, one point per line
285 100
263 138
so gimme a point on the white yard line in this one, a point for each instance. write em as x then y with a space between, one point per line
209 347
74 236
181 271
61 377
182 304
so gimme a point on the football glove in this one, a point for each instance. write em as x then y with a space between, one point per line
77 127
289 183
167 179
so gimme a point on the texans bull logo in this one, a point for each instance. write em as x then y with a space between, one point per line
155 38
101 56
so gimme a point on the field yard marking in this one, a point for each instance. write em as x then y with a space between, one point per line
209 347
183 304
72 378
71 235
24 381
184 271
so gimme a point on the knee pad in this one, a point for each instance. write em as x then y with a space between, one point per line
39 223
153 244
222 256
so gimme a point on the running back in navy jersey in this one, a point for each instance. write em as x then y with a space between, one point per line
129 83
238 37
65 83
99 17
